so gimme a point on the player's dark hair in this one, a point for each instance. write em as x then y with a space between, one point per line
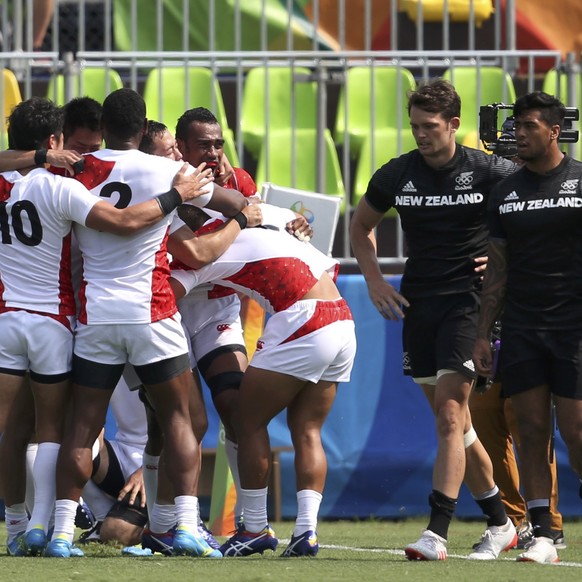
32 122
552 110
124 113
155 129
82 112
199 114
438 96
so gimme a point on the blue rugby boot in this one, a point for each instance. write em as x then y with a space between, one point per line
304 544
245 543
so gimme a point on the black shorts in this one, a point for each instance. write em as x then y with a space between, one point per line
439 333
531 358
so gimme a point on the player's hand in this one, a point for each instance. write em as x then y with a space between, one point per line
300 228
64 159
192 185
482 357
387 300
253 214
480 265
133 487
225 171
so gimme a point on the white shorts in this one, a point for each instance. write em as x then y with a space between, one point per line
35 342
130 456
210 323
138 344
312 340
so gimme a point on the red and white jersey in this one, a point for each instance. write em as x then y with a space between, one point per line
270 266
37 211
125 278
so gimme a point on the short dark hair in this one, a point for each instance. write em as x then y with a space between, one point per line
82 112
552 110
199 114
438 96
154 129
124 113
32 122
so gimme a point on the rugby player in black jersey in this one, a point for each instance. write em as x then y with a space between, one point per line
535 276
440 191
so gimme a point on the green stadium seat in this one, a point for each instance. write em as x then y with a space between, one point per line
290 159
391 88
385 144
91 82
289 101
479 86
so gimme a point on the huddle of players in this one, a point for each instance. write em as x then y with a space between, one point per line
176 529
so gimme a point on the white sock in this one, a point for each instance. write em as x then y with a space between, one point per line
231 449
187 512
97 500
16 520
255 508
150 465
162 518
31 451
65 511
308 502
44 475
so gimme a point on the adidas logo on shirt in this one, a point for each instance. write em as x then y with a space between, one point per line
469 365
409 187
512 196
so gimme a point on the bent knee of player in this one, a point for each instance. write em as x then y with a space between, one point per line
114 529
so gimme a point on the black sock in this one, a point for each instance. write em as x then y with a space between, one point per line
493 509
442 509
541 520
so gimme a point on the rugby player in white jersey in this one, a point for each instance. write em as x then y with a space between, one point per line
307 347
37 210
128 314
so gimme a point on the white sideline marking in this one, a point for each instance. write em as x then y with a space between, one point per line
457 556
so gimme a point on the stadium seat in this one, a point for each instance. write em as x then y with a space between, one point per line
289 158
556 83
170 91
479 86
11 96
391 88
276 98
91 82
387 143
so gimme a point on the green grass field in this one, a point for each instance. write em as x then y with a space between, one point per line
363 550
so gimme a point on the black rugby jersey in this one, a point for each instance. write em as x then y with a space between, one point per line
540 217
443 215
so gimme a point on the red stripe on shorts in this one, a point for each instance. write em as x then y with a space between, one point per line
326 312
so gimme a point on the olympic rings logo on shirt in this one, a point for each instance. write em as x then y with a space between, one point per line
464 179
570 184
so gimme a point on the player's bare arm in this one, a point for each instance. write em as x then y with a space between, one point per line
18 160
492 299
198 250
384 296
227 202
129 220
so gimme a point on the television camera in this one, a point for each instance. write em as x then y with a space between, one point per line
501 140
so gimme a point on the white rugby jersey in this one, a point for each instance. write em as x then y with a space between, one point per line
36 214
125 278
271 266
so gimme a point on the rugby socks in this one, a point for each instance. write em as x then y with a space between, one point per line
16 520
541 518
492 507
31 451
231 449
44 476
187 512
254 502
441 514
65 511
150 465
308 502
162 518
